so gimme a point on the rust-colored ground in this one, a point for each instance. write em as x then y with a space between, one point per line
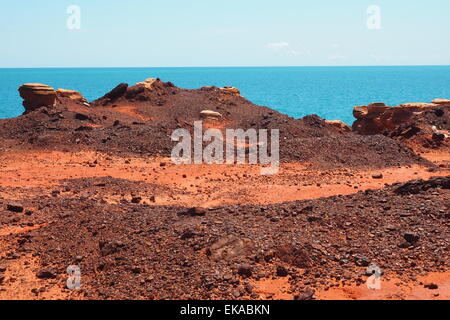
23 174
392 289
203 185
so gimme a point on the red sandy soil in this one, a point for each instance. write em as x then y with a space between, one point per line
392 289
25 174
204 185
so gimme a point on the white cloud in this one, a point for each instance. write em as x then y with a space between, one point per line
337 57
277 45
283 48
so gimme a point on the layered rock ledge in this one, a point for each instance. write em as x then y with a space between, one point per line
423 125
36 95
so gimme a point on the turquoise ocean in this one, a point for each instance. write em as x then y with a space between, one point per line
329 92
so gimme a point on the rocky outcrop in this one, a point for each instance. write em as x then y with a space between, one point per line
427 121
70 94
37 95
231 90
116 93
148 83
139 90
150 90
225 90
377 117
67 96
441 101
371 111
209 114
339 125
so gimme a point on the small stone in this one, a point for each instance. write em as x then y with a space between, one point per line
46 274
187 234
282 272
13 207
431 286
249 288
314 219
307 295
136 200
411 237
197 211
245 270
236 293
377 176
209 114
81 117
362 261
136 270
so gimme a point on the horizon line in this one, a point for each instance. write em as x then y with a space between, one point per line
268 66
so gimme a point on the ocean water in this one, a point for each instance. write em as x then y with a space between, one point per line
330 92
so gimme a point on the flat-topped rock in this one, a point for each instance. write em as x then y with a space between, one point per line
231 90
148 83
419 106
372 110
339 124
71 94
36 86
36 95
441 101
209 114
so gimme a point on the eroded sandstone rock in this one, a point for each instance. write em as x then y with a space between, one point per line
339 125
209 114
441 101
230 247
231 90
148 83
377 117
70 94
37 95
422 125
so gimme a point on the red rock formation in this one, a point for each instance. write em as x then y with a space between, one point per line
37 95
340 125
70 94
424 124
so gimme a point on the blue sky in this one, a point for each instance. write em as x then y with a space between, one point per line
148 33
